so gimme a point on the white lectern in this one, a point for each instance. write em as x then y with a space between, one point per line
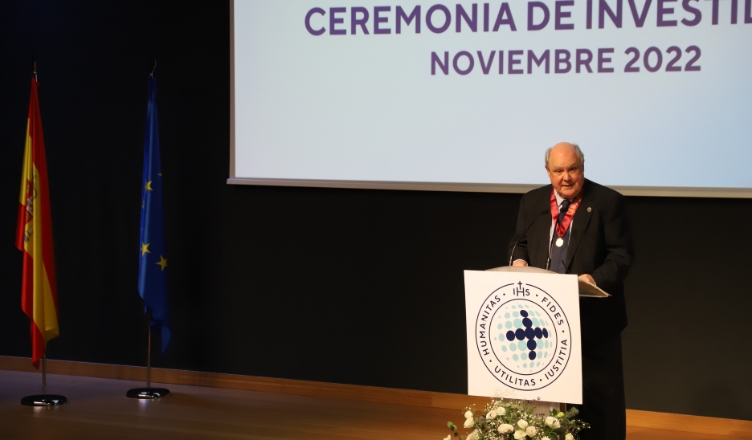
523 334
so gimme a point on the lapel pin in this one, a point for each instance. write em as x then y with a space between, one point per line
589 209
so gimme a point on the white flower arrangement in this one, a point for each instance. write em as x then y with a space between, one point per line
514 419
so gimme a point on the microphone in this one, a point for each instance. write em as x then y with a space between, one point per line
518 238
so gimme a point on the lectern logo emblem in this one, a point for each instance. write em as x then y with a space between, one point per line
523 336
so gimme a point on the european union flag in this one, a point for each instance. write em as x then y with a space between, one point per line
152 273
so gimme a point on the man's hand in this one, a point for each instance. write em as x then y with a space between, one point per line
586 278
519 263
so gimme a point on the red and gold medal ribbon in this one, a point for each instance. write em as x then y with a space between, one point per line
561 227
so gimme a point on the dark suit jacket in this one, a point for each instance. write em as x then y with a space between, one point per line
600 245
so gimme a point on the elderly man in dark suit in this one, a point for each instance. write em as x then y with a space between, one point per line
576 226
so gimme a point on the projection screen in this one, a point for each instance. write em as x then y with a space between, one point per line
466 96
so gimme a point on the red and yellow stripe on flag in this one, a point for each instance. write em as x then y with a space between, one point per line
34 237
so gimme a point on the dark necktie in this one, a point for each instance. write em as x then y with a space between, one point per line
558 254
563 209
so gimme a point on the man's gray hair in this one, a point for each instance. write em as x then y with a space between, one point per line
577 150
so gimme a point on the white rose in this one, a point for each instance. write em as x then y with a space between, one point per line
530 431
449 437
501 411
473 436
505 428
468 414
553 422
544 438
519 435
491 415
569 436
522 424
469 423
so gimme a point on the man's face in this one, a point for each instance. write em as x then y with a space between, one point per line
566 172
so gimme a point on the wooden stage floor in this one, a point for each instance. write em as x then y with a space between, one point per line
98 409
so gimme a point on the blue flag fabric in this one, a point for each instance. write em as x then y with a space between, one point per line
152 273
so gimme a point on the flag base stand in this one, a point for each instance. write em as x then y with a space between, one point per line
44 400
147 393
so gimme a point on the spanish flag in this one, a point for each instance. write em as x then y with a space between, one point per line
34 237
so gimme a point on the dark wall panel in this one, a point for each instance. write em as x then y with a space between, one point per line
347 286
689 300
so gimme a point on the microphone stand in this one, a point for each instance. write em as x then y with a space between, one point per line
518 238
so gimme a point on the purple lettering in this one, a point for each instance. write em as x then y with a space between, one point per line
531 7
734 10
602 60
671 66
447 19
562 57
559 14
604 8
414 15
715 12
663 10
486 14
378 19
472 23
531 58
443 66
747 11
646 59
470 62
696 12
355 21
639 19
584 61
486 67
308 16
589 15
514 61
630 67
504 11
690 67
334 20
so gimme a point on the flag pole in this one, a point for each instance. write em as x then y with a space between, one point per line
152 279
44 399
148 356
148 392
